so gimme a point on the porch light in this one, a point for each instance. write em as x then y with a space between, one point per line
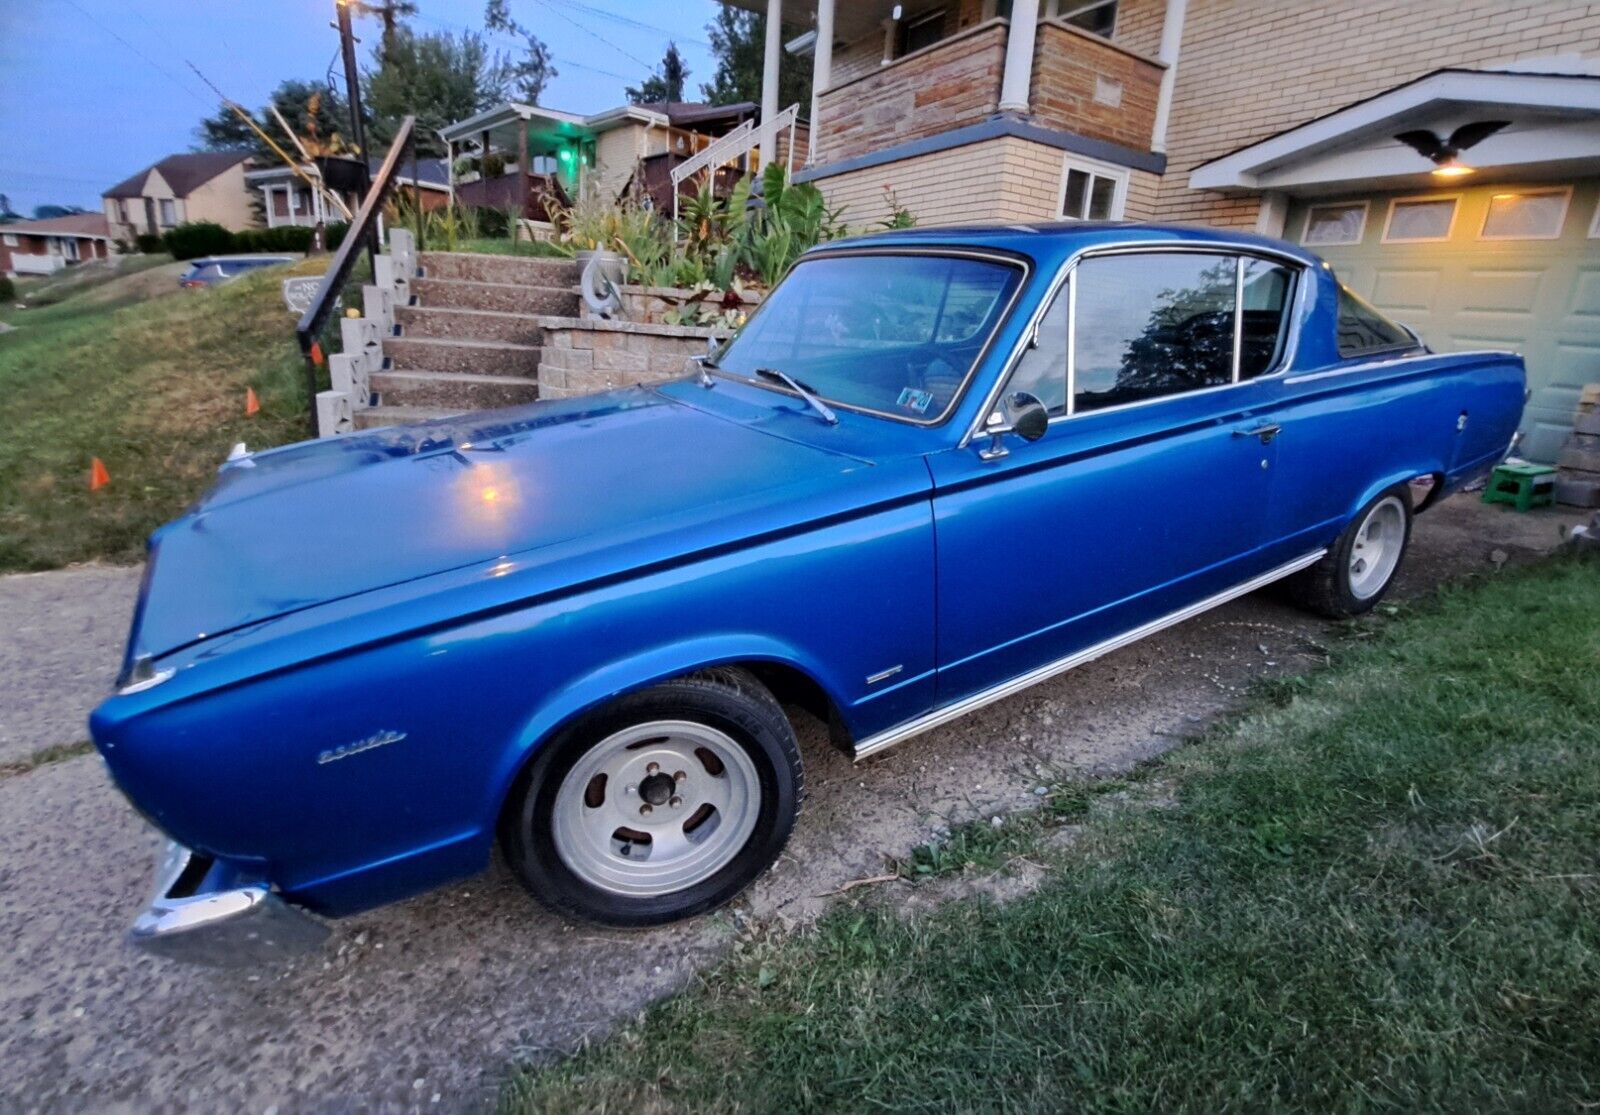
1451 168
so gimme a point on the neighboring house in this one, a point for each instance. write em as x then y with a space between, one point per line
45 247
1279 117
547 152
288 199
200 186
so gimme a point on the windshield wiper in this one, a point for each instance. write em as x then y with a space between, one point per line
775 376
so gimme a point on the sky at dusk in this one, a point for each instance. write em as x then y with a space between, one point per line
92 91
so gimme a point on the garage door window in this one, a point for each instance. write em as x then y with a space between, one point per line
1526 215
1335 224
1419 219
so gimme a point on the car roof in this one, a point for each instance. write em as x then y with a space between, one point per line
1054 241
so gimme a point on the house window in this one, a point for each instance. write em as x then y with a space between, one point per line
69 248
169 212
122 211
1594 224
280 202
917 32
1335 224
10 240
1092 192
1526 215
1420 219
1098 17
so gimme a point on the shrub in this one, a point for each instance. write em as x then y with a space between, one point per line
285 238
148 243
8 290
333 234
494 224
193 239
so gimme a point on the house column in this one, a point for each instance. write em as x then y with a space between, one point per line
769 80
1019 56
1273 214
522 174
821 74
1167 55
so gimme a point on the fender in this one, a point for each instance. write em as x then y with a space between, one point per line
639 671
1390 480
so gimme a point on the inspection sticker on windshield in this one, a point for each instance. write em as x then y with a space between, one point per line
913 399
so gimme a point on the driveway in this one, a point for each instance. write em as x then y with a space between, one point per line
421 1006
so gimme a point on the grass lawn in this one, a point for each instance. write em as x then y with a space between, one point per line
1376 888
156 390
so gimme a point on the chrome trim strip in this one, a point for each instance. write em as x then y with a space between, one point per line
1291 342
1400 358
884 675
886 739
1020 262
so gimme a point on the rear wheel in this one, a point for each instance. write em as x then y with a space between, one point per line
1359 568
665 804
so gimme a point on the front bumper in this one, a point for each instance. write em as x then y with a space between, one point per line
203 913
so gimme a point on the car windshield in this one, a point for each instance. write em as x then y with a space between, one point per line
892 334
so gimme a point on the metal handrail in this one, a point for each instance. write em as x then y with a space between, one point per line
363 231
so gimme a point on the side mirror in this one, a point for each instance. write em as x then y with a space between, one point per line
1020 413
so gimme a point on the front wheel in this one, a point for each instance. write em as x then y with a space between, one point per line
664 804
1359 568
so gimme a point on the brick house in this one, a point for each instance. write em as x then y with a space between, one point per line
1270 115
198 186
45 247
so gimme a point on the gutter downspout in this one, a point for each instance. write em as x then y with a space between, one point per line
1171 41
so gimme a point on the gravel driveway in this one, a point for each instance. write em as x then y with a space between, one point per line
422 1006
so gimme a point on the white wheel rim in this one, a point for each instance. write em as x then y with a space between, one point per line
656 808
1379 540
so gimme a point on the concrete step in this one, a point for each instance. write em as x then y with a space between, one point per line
477 267
373 417
507 298
485 358
436 323
455 391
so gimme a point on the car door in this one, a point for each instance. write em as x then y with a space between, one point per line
1148 492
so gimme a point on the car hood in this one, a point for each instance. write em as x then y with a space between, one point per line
300 526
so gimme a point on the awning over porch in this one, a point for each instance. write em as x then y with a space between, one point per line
1552 129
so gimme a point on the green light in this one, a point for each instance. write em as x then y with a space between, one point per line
565 154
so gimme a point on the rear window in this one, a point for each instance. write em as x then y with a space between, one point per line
1363 329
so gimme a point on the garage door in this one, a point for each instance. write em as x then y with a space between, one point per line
1512 266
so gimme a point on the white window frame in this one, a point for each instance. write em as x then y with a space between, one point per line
10 240
1594 224
1561 223
1395 203
1361 229
1066 9
1118 174
161 212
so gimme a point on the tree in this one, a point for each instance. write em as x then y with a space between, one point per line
440 78
528 75
665 84
738 40
50 212
315 111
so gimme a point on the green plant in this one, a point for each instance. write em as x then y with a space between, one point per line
148 243
198 238
899 216
8 290
792 218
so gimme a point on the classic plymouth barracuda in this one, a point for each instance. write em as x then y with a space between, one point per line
934 468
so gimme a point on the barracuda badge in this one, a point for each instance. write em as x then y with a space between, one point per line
344 751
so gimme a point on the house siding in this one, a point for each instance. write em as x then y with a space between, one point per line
1252 68
225 199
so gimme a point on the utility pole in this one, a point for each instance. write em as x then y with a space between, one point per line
358 131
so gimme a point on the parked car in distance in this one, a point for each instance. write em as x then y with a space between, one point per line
215 270
934 468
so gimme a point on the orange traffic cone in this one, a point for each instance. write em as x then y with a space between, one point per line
252 405
98 476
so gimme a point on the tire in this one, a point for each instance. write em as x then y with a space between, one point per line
1351 577
662 805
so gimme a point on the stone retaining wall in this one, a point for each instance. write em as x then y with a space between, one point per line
581 357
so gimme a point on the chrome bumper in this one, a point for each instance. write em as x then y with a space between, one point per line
193 917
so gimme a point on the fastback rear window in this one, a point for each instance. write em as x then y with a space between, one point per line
1364 330
894 334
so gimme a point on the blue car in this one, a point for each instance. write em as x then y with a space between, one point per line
934 468
216 270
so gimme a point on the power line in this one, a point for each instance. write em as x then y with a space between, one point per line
593 34
148 60
508 40
630 22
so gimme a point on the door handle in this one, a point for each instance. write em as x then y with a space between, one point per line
1266 433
